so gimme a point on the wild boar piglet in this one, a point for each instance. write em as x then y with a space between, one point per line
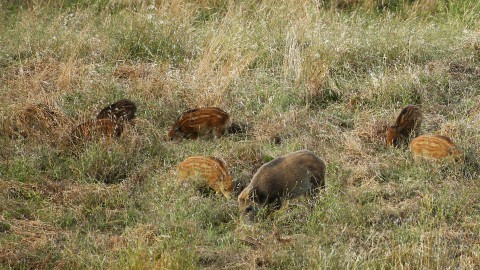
407 125
209 170
435 147
203 122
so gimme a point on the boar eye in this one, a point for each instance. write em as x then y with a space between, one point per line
249 209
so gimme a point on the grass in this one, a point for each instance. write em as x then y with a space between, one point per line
328 76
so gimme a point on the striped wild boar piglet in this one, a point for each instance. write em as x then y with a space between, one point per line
285 177
435 147
407 125
95 129
207 170
120 111
204 122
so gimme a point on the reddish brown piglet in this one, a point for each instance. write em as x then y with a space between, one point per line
94 129
435 147
407 124
203 122
209 170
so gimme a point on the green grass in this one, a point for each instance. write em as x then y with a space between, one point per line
328 76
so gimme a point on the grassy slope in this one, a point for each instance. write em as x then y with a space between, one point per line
326 77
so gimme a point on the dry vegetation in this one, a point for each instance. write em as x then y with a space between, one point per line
329 76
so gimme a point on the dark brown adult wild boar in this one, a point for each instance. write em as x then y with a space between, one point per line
285 177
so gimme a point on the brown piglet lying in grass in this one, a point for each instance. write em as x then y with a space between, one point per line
285 177
209 169
407 124
95 129
435 147
203 122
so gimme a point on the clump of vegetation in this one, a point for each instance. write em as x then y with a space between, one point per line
328 76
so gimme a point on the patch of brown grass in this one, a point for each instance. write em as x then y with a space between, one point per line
38 122
29 243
